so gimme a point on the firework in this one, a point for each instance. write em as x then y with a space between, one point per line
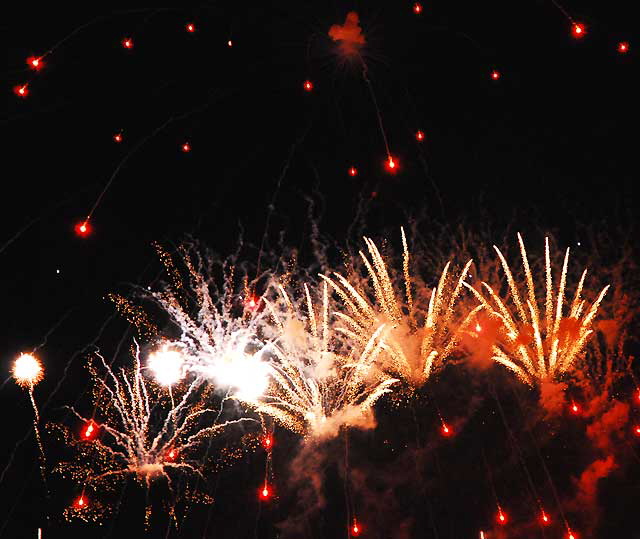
142 434
219 337
539 345
419 335
319 383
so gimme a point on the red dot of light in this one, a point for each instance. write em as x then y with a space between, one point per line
90 431
21 90
575 409
578 30
251 302
637 431
81 502
356 529
417 8
308 85
171 455
186 147
353 172
190 28
117 137
446 430
502 518
419 136
545 518
265 492
267 442
35 63
83 229
127 43
638 395
391 164
230 43
571 535
495 74
623 47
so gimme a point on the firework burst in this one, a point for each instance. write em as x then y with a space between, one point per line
142 433
318 382
419 335
538 344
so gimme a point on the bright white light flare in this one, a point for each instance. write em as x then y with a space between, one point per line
27 370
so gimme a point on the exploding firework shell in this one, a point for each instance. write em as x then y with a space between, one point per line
27 370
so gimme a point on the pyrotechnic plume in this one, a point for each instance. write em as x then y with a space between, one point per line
419 336
219 331
319 382
142 434
27 372
538 344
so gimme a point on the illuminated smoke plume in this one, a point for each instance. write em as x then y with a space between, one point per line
349 35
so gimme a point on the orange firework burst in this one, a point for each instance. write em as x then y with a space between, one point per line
539 344
27 370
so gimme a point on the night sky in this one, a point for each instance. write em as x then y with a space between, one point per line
549 147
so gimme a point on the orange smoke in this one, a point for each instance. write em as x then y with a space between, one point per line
349 35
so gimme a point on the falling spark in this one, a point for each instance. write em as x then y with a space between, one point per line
191 28
544 518
117 137
578 30
539 344
35 63
501 517
21 90
186 147
127 43
229 43
419 136
265 492
356 529
417 8
307 85
495 74
623 47
353 172
391 164
83 229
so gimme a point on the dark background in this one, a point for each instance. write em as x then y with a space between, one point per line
552 145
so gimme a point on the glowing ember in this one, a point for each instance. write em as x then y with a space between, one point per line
391 164
353 172
81 502
545 518
251 302
265 492
502 517
578 30
623 47
127 43
83 229
117 137
167 365
575 409
27 370
307 85
230 43
22 90
356 529
267 442
478 328
495 74
419 136
417 8
637 431
190 28
90 431
446 429
186 147
35 63
171 455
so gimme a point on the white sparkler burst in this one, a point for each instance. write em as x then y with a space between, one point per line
142 434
